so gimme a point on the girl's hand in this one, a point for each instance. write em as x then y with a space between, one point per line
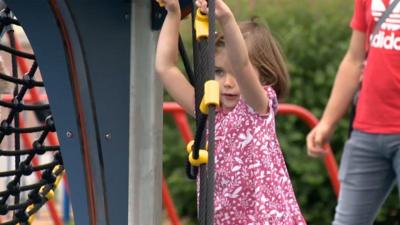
222 11
172 6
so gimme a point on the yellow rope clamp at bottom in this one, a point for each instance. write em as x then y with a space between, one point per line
211 96
27 210
203 155
203 158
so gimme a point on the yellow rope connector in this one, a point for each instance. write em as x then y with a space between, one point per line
30 220
203 158
211 95
160 3
28 210
58 180
49 195
189 146
201 25
203 155
59 177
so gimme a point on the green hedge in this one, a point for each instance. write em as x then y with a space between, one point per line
314 36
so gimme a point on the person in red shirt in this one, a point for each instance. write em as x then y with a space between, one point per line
370 164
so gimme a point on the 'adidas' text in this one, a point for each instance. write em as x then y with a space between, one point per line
389 42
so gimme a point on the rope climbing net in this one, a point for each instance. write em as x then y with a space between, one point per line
29 170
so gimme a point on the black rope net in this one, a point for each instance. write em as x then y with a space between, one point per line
30 167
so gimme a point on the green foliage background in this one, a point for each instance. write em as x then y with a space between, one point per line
314 35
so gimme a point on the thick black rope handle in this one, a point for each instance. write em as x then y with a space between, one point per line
203 57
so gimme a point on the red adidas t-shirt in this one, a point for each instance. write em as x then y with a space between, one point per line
378 108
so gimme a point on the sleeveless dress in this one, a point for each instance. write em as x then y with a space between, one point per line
252 184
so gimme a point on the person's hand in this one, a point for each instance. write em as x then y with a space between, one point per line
172 6
318 138
222 11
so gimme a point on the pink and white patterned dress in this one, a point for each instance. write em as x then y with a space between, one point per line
252 185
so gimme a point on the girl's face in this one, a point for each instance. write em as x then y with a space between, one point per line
228 87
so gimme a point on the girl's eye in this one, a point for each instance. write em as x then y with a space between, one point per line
219 72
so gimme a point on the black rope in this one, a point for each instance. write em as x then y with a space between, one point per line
186 61
34 198
5 21
47 181
192 171
204 70
20 106
15 52
199 135
23 158
7 129
27 169
211 116
204 53
31 151
210 166
17 143
25 81
200 58
24 188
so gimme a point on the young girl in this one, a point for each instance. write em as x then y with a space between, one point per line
252 185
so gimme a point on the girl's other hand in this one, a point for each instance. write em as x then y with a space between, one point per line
172 6
222 11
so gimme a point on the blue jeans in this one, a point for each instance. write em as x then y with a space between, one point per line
369 169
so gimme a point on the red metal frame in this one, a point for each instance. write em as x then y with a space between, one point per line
186 132
329 160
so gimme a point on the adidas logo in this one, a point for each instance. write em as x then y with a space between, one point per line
392 23
386 38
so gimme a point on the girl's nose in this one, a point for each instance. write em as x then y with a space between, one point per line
229 81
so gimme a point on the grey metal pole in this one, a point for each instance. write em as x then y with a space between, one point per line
145 144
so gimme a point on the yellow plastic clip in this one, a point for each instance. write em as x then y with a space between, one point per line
59 177
201 25
27 210
30 219
58 180
211 95
56 168
49 195
203 158
160 3
189 146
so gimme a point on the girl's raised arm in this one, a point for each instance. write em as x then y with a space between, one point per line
245 73
167 59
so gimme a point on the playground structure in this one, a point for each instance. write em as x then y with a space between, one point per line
106 131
